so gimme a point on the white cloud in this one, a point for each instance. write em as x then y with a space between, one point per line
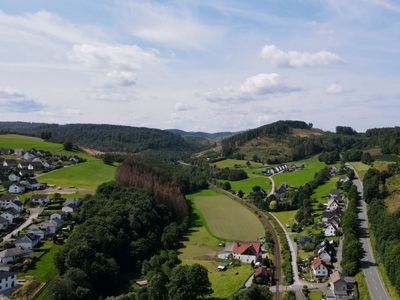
252 88
179 106
121 78
296 59
15 101
334 89
171 25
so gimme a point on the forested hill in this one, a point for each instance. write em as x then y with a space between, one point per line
112 138
217 136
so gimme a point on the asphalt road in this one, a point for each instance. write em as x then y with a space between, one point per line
376 287
34 213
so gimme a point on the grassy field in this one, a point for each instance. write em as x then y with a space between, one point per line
361 168
315 295
322 192
247 185
87 175
201 247
286 217
232 163
311 166
362 286
14 141
393 200
227 218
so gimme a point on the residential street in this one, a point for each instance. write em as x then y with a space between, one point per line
34 213
376 287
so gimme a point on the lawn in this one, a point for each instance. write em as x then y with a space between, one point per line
361 168
233 163
88 175
298 178
322 192
315 295
246 185
225 218
286 217
201 247
13 141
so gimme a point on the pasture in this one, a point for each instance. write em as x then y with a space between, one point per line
88 175
322 192
361 168
246 185
13 141
225 218
298 178
235 163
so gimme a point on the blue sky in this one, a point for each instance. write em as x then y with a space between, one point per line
201 64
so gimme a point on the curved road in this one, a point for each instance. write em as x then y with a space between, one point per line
376 287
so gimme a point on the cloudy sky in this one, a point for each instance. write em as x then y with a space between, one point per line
209 65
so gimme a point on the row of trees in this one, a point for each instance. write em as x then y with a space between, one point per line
384 225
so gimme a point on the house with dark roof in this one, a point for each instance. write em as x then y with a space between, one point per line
51 226
340 287
10 214
40 199
3 223
304 239
27 241
36 230
16 188
263 275
8 280
11 201
326 215
12 255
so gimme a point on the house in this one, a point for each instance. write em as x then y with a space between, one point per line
263 275
28 156
24 165
51 226
334 171
74 159
16 188
57 216
343 180
40 199
3 223
326 215
10 214
282 188
8 280
246 252
4 151
37 165
333 204
33 184
330 230
319 268
335 193
335 221
18 152
10 201
67 209
14 254
326 251
34 229
37 159
14 177
27 241
10 163
340 288
303 240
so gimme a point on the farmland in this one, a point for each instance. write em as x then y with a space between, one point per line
234 163
201 245
298 178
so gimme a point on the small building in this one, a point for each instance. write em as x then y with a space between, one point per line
35 229
14 177
67 210
263 275
16 188
319 268
340 288
57 216
330 230
40 199
326 215
18 152
10 214
246 252
8 280
343 180
333 204
27 241
13 255
72 202
51 226
28 156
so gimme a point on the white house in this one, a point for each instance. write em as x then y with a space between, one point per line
330 230
318 268
34 229
51 226
28 156
246 252
56 216
18 152
14 254
10 214
14 177
40 199
333 204
8 280
27 241
3 223
16 189
7 201
67 209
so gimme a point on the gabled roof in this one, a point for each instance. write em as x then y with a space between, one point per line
12 211
317 262
241 247
6 274
27 238
8 198
303 239
14 252
3 220
328 214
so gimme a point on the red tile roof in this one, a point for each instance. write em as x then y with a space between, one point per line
241 247
317 262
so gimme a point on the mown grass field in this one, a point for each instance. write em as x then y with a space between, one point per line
201 247
14 141
247 185
88 175
322 192
232 163
311 166
361 168
226 218
316 295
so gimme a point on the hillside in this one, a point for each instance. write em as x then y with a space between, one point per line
113 138
217 136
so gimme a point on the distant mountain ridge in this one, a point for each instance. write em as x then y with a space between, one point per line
217 136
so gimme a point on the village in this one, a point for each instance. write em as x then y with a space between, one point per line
31 219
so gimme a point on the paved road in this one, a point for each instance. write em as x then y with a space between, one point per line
376 287
34 213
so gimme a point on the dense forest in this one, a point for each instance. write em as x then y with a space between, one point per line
385 226
112 138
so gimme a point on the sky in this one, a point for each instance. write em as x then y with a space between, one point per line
201 65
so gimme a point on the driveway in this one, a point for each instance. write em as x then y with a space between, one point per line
34 213
376 287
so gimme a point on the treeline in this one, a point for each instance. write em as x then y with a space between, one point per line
230 174
352 247
119 228
149 174
385 226
112 138
345 156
